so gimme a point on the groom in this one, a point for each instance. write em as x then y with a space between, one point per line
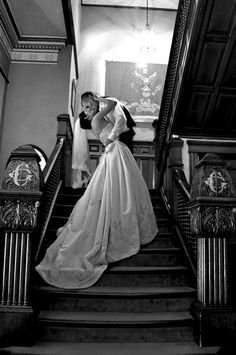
125 137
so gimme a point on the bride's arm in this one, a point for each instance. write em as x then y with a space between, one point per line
110 105
99 118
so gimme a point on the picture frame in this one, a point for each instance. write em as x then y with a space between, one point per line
72 102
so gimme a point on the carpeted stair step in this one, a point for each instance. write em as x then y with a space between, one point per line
77 193
68 348
115 326
164 224
144 276
64 210
65 204
115 299
153 257
141 299
162 240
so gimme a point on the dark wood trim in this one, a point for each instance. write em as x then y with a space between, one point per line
70 30
4 75
211 146
130 7
69 22
12 19
28 38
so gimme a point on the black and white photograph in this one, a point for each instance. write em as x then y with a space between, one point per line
117 177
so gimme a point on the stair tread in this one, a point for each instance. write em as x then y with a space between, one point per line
116 291
162 219
115 317
164 250
120 268
163 348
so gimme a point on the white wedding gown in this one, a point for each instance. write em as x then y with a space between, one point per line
108 223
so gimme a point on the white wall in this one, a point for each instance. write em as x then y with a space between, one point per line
36 95
114 34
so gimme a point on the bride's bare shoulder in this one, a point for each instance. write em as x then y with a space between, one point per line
98 125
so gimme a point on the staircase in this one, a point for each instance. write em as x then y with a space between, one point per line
140 305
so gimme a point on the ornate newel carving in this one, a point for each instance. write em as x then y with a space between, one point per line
19 204
212 222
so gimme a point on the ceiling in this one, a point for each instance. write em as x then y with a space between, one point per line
48 24
36 19
206 102
36 30
45 20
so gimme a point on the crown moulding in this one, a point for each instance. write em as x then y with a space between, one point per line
28 49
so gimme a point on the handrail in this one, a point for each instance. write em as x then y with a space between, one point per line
56 173
181 179
52 183
52 159
183 218
164 126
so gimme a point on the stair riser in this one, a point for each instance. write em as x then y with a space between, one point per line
160 212
65 210
57 222
113 335
149 259
162 279
163 227
70 330
69 200
116 304
157 259
158 242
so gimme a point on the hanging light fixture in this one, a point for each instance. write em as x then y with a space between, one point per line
147 39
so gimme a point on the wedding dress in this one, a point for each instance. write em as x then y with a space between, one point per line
108 223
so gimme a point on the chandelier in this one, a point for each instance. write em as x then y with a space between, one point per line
147 37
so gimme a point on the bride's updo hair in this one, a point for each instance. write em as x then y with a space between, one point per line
86 95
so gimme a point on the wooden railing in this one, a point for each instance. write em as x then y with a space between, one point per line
175 70
52 184
26 201
182 196
203 219
55 173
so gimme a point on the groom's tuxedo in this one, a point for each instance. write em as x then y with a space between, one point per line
125 137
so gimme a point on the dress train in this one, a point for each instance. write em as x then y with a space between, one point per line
108 223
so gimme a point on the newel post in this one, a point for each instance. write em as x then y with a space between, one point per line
174 162
19 202
65 131
212 222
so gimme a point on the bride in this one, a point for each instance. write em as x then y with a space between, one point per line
113 217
